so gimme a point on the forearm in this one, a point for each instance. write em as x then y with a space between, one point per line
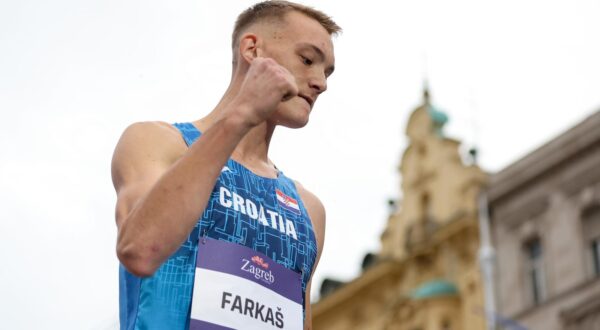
163 218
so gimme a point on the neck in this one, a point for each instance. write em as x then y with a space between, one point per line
254 147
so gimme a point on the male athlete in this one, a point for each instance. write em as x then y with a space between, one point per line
202 211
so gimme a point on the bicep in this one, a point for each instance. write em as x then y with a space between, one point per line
136 167
129 195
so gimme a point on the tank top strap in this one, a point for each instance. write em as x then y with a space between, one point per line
189 132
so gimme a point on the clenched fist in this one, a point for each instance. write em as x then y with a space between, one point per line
266 84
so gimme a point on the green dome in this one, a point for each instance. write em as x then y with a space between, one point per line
435 288
439 119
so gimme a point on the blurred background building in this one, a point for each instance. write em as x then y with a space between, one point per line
426 275
545 213
544 219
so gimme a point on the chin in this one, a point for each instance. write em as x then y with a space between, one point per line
292 117
293 122
299 124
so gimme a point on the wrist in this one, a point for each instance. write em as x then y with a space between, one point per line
240 116
236 122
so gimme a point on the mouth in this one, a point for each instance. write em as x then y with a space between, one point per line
308 99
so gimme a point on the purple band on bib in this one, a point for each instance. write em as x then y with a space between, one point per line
238 260
201 325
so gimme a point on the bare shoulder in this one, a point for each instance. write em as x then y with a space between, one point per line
151 131
145 147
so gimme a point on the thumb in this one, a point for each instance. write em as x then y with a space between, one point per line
292 89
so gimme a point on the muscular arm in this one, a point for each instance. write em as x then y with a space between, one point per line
159 197
316 212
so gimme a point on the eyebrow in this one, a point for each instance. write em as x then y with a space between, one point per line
320 54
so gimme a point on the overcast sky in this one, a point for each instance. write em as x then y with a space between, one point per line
73 74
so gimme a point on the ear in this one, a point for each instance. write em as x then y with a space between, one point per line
248 47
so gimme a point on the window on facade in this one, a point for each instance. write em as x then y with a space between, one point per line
591 234
534 270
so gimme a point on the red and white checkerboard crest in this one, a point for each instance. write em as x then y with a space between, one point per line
287 202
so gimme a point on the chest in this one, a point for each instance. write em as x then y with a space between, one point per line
263 214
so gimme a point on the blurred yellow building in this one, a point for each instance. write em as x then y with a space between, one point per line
426 276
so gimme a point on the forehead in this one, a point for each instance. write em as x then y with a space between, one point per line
297 28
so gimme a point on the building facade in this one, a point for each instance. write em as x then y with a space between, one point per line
426 276
545 220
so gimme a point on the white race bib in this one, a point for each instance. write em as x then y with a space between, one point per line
236 287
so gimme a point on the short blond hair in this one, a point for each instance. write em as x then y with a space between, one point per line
276 10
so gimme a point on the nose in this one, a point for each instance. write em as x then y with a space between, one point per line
318 83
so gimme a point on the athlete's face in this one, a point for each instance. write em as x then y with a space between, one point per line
304 47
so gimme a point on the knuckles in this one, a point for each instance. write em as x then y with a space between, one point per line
270 70
266 84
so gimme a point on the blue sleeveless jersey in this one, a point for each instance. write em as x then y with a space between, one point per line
261 213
